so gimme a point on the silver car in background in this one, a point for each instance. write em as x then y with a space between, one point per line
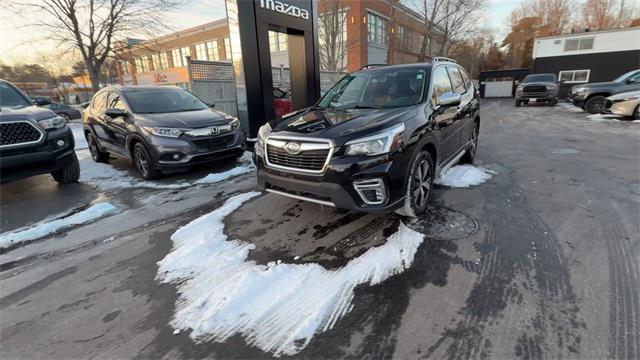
624 104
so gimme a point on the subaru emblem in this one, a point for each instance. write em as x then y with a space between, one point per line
292 148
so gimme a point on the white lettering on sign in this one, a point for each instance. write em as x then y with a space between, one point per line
284 8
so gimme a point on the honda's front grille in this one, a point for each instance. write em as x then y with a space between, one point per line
214 143
535 88
18 133
311 157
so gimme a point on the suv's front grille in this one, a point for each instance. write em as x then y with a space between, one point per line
311 158
214 143
535 88
18 133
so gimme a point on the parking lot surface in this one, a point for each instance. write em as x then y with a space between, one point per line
540 261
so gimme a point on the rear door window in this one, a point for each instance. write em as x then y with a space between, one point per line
99 101
114 101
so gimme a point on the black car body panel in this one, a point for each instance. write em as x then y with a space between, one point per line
27 149
118 135
328 176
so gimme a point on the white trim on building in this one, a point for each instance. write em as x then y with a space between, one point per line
587 43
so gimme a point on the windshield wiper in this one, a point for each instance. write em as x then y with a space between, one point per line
360 107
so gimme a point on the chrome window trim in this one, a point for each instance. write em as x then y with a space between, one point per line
306 144
24 143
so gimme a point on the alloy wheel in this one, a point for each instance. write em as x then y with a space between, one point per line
421 184
93 148
473 147
141 161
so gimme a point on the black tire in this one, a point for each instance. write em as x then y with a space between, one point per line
472 148
96 154
595 104
636 113
419 184
68 174
142 161
553 102
518 103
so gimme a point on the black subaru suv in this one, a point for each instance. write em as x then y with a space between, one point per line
160 128
376 140
33 140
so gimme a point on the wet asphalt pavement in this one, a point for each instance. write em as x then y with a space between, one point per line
541 261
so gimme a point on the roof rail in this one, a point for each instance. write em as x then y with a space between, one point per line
371 66
442 58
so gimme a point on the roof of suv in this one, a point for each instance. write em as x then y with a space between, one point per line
423 65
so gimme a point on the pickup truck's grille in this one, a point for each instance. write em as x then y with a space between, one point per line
18 133
535 88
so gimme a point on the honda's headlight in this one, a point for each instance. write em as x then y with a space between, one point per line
55 122
263 132
382 143
230 126
166 132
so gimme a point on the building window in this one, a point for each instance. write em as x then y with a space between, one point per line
159 61
578 44
124 67
201 51
377 28
277 41
227 49
142 64
404 35
179 56
212 50
574 76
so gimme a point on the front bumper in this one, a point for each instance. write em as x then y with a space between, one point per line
335 187
192 151
577 99
546 95
43 158
621 108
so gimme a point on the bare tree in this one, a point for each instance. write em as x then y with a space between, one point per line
92 26
332 23
607 14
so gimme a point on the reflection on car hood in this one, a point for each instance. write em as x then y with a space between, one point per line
185 119
598 85
334 124
624 95
23 113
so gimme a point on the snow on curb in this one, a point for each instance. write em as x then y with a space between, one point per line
277 307
45 228
462 176
106 177
78 135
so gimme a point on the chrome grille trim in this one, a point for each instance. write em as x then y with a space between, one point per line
23 143
306 144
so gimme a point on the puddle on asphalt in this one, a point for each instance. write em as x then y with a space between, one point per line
301 232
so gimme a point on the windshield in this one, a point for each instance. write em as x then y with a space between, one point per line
376 89
539 78
169 100
624 76
11 98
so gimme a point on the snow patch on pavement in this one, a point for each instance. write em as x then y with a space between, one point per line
78 135
45 228
106 177
604 118
462 176
277 307
570 107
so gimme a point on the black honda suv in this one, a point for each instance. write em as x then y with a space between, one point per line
376 140
33 140
160 128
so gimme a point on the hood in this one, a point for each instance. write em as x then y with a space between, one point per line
597 85
26 113
625 95
538 83
184 119
335 124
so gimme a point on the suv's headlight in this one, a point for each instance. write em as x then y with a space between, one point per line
381 143
166 132
55 122
263 132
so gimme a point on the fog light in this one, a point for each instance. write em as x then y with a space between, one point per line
60 143
372 191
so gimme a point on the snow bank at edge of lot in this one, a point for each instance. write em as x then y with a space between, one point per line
277 307
48 227
462 176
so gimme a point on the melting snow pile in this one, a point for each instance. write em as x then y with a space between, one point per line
45 228
277 307
462 176
106 177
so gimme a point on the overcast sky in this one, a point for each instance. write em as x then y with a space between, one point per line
17 42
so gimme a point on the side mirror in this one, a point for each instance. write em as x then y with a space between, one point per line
211 105
115 113
42 101
449 99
